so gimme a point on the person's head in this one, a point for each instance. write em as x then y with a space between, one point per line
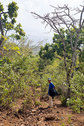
49 80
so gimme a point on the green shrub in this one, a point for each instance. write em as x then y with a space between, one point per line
63 100
76 104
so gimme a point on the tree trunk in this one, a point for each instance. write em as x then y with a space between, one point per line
2 33
69 85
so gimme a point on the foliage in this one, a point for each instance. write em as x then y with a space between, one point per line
12 9
8 21
42 63
81 58
77 99
17 73
63 100
56 50
48 51
22 73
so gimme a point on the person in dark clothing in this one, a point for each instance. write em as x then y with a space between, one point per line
51 86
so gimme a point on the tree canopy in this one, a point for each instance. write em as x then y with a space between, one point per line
8 21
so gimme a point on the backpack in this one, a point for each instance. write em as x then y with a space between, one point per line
53 92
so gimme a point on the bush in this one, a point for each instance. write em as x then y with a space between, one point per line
76 104
64 101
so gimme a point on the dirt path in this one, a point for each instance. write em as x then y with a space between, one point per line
42 116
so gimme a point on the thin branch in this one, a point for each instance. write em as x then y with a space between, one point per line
62 16
4 12
80 22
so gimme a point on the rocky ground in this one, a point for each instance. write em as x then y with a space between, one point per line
42 116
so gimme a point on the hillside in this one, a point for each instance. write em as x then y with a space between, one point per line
41 116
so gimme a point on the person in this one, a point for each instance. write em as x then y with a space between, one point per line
51 86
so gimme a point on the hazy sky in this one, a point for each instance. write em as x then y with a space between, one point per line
33 27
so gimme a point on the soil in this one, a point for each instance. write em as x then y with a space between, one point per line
41 115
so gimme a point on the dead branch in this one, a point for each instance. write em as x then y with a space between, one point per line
61 16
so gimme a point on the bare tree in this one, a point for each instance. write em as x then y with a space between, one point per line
62 17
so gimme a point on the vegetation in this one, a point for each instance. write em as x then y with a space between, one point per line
8 22
59 73
22 73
